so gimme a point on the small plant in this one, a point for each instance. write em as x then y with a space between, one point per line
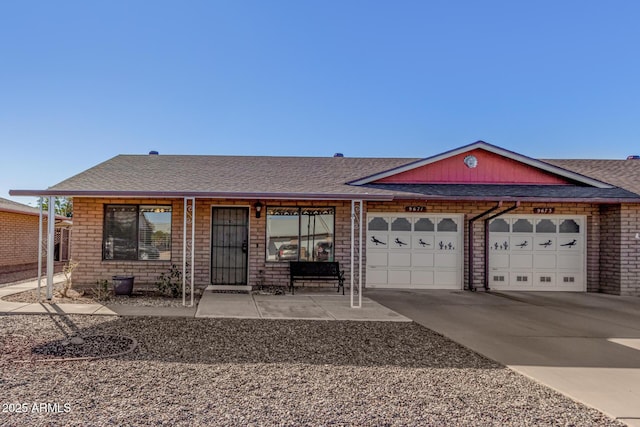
67 270
101 291
170 283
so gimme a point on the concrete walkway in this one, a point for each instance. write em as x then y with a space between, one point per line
44 307
586 346
312 306
300 306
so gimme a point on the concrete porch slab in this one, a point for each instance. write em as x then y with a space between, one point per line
339 308
290 307
227 305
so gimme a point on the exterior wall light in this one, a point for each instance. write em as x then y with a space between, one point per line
258 207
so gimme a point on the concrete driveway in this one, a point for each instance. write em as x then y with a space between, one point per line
587 346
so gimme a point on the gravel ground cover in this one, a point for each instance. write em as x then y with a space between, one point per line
142 296
179 371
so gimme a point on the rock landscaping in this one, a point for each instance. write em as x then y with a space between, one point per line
142 296
108 370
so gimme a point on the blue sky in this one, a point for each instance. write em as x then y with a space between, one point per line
83 81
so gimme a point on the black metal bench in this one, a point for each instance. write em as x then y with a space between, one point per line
307 270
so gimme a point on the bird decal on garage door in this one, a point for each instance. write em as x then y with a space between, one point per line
400 242
376 241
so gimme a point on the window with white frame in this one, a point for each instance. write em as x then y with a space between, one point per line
300 234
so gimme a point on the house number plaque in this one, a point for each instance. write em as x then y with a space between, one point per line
544 210
415 208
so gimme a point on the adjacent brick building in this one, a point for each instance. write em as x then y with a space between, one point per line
19 241
556 225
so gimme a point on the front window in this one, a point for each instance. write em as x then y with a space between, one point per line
300 234
133 232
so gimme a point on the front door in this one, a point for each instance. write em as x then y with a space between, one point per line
229 244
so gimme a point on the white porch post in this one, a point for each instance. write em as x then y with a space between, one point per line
188 252
40 251
356 250
51 222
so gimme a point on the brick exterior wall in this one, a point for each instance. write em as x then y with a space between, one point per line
88 231
619 261
18 246
612 261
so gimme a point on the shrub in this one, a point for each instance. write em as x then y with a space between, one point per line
170 283
102 291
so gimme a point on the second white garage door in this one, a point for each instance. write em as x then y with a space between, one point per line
537 253
416 251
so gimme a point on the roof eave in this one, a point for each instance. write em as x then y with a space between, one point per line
202 194
594 200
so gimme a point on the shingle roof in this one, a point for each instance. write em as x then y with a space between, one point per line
507 192
316 177
621 173
11 206
227 174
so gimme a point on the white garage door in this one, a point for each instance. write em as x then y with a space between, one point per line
538 253
416 251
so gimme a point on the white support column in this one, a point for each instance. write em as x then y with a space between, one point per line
356 253
51 234
40 252
360 290
188 252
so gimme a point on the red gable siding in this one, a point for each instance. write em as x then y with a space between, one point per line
492 169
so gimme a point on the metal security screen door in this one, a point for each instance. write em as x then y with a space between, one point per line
229 234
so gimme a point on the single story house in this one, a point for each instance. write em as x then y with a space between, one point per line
478 217
19 241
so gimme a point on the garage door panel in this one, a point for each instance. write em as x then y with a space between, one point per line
446 280
499 243
544 279
544 243
399 277
500 260
446 260
400 241
378 259
446 243
422 278
422 259
399 259
498 279
521 279
569 280
422 242
377 276
570 262
521 243
401 223
545 261
570 244
378 240
519 260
